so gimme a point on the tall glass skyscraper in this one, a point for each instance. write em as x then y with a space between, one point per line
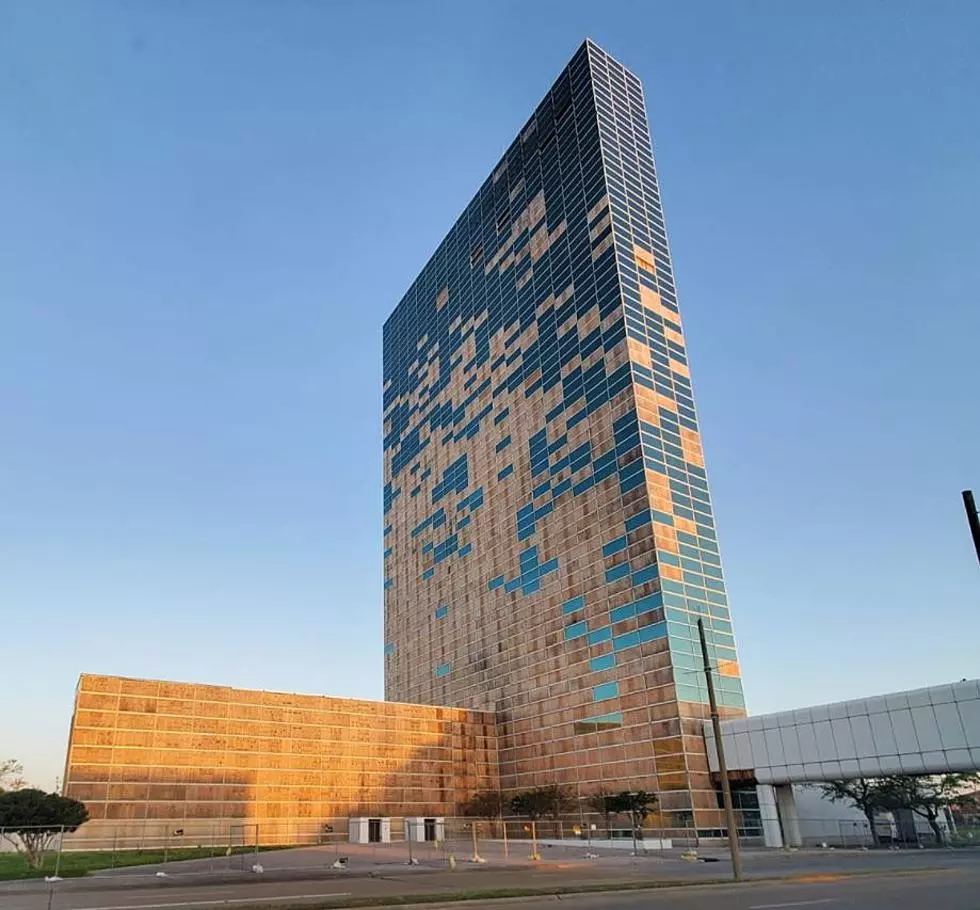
549 540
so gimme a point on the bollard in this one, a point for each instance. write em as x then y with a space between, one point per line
534 855
476 853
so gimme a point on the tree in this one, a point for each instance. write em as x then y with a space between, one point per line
927 796
557 799
484 804
552 800
637 804
10 775
865 794
31 818
601 803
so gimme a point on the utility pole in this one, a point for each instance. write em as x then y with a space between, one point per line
973 519
726 790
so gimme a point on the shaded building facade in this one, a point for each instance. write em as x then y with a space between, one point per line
549 542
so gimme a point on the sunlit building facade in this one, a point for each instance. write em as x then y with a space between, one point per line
150 757
549 543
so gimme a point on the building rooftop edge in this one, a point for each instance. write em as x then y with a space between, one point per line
371 701
586 44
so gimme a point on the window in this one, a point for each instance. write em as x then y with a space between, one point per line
605 691
614 547
600 635
617 572
598 724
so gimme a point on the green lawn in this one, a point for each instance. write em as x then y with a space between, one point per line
14 866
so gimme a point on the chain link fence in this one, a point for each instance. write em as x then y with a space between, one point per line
342 844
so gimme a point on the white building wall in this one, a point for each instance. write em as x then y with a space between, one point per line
923 731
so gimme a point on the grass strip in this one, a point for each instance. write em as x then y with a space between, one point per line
13 866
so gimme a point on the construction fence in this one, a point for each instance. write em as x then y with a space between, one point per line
350 843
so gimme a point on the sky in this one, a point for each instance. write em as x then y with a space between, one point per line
209 209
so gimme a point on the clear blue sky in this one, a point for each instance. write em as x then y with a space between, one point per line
208 210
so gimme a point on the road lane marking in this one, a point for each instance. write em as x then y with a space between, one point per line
822 900
229 900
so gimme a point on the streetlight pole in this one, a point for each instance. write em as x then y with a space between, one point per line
972 519
726 789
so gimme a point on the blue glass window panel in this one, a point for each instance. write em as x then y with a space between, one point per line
550 566
629 640
605 691
441 612
663 517
638 520
614 546
671 559
495 582
600 635
465 549
388 583
617 572
546 509
560 488
576 630
428 573
505 472
687 692
442 670
389 649
653 632
529 557
605 662
647 573
621 613
503 443
512 585
576 603
530 587
682 645
648 603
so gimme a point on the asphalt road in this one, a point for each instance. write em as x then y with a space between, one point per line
942 890
936 891
952 884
